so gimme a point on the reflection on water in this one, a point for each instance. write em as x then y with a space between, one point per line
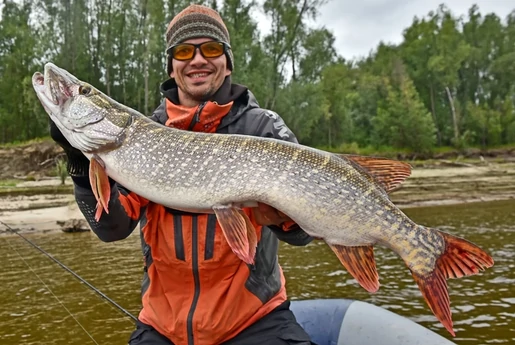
36 293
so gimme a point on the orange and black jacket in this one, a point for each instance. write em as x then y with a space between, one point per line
195 290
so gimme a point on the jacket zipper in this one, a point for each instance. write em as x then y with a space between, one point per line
196 280
196 117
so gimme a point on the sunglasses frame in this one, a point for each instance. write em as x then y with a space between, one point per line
225 46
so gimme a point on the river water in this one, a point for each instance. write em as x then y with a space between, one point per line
41 303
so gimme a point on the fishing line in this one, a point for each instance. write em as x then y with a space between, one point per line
100 293
50 290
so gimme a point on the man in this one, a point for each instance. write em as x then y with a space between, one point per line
196 291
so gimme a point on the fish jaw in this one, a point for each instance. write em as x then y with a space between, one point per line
57 89
45 97
89 120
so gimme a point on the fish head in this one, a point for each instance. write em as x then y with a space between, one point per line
88 119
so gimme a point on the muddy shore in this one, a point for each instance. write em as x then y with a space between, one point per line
47 206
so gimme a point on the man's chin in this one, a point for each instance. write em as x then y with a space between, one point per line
201 95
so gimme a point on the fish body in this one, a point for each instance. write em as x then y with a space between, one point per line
340 199
189 170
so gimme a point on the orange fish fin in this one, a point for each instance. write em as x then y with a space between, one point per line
237 229
98 212
100 186
360 263
388 173
460 258
251 236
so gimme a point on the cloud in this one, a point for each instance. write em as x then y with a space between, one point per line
360 25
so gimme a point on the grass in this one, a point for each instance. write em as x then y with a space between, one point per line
8 183
29 191
60 169
18 143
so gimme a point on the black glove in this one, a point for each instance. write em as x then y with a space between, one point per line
78 164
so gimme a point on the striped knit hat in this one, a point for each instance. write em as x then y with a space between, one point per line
197 21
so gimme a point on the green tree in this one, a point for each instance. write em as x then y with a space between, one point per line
18 49
252 67
318 53
402 120
302 105
288 27
434 51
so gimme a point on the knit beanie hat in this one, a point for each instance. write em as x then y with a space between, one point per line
197 21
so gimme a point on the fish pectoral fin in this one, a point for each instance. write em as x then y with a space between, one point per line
238 231
100 186
460 258
388 173
360 263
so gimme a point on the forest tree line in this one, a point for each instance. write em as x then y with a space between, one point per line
449 83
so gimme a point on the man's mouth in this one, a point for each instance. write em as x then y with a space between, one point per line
198 75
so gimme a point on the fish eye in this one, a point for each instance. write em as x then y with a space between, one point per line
84 90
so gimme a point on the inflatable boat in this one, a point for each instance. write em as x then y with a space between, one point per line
351 322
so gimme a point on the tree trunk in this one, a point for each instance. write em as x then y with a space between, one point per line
454 119
433 112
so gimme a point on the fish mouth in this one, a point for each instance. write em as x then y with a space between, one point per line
48 102
56 90
52 87
73 112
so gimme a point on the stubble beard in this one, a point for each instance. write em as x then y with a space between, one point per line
202 96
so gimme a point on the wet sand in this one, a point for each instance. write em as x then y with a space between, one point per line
39 212
435 185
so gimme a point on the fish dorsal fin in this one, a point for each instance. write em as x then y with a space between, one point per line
387 173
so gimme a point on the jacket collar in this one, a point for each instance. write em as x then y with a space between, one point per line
228 92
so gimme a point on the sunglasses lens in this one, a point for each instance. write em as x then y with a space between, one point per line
183 52
212 49
186 51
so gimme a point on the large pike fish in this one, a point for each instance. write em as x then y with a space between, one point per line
340 199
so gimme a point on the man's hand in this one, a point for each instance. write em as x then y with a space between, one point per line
267 215
77 164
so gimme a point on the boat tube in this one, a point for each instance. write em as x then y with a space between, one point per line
351 322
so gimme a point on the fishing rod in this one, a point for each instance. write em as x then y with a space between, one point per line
69 270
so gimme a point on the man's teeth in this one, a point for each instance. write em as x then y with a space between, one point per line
198 75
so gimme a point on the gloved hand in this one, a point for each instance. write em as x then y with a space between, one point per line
78 164
267 215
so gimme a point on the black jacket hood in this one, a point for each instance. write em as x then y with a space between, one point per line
242 97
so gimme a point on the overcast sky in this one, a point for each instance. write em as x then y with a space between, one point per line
359 25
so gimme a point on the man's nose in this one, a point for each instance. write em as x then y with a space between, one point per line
198 58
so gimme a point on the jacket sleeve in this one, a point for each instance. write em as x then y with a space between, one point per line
270 124
125 210
125 207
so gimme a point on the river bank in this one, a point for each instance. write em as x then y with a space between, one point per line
47 206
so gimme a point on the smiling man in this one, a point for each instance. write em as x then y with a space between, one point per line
195 290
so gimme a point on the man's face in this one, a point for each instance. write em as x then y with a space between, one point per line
199 78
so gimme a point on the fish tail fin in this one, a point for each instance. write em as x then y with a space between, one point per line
460 258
